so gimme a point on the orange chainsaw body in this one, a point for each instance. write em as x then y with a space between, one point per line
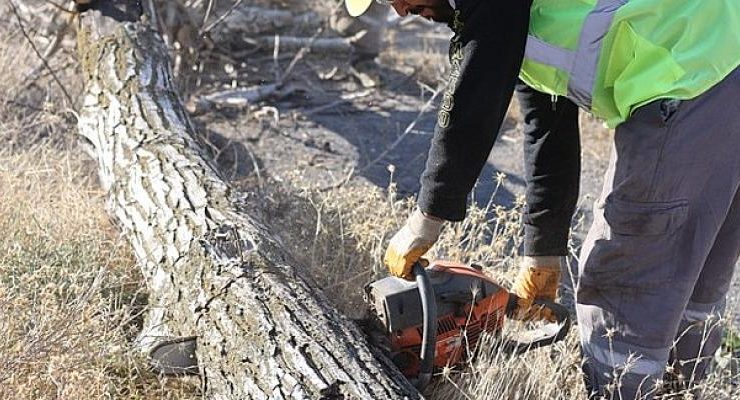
468 304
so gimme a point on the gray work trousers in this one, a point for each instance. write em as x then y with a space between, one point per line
657 263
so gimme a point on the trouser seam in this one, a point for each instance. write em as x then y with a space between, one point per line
661 151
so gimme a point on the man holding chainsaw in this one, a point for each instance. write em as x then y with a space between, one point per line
660 255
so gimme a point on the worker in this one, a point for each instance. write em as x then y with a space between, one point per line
551 148
659 258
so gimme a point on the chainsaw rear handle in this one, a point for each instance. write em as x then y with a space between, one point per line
429 318
562 317
561 313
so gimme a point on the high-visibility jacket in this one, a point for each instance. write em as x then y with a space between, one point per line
613 56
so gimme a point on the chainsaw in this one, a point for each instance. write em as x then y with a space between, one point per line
437 320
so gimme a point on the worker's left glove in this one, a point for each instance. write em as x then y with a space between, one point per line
536 282
411 242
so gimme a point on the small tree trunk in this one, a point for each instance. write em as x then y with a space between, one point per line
263 330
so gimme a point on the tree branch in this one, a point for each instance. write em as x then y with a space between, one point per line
38 53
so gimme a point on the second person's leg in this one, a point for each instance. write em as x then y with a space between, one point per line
670 189
700 332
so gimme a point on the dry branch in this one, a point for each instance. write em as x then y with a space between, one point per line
238 98
42 57
245 20
323 45
263 330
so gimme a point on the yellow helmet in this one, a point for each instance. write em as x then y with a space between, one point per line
357 7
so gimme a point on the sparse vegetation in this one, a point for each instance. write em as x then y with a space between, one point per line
348 228
70 292
71 296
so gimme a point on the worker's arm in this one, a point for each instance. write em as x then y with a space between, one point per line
486 55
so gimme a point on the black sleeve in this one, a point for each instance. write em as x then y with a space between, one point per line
486 55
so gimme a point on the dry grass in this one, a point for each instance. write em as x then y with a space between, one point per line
70 293
340 236
71 296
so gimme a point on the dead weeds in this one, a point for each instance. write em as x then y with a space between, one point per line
71 296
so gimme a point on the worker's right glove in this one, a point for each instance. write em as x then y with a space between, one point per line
411 242
536 282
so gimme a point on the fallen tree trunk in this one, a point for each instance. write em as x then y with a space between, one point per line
263 330
248 20
321 45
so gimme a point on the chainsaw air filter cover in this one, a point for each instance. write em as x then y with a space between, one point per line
468 303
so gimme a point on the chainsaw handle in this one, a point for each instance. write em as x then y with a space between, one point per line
429 334
562 316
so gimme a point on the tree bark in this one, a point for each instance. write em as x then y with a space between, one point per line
264 331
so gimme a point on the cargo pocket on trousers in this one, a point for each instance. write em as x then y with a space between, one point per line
640 251
631 218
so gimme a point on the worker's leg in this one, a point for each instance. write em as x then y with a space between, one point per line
552 167
670 187
700 332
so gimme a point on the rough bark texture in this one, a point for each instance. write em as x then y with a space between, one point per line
212 271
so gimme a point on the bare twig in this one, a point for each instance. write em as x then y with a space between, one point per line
275 57
345 99
333 44
60 7
302 52
52 48
341 183
151 10
242 96
239 97
31 107
209 8
220 19
256 167
38 53
251 21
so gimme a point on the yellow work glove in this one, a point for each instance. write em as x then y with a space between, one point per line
538 278
410 243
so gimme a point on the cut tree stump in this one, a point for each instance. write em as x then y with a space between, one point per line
264 331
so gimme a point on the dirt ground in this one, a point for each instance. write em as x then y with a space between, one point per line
330 129
356 145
